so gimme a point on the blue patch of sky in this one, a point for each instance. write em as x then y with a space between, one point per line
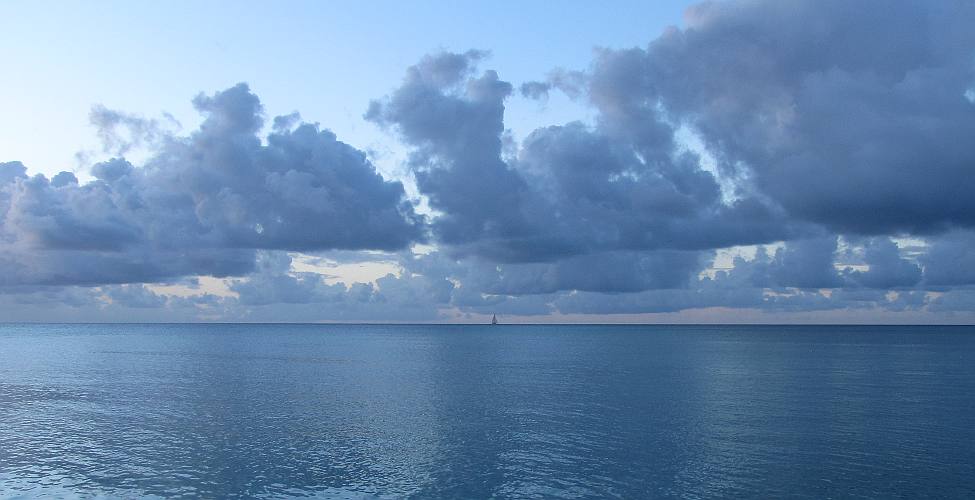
323 59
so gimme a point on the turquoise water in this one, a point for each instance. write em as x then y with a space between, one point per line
366 411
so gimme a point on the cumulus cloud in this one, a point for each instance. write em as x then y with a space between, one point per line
824 134
950 261
848 114
572 190
201 204
887 268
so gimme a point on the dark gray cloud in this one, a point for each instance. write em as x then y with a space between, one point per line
455 120
823 119
304 190
571 190
482 281
950 261
801 276
848 114
201 204
887 267
831 129
805 264
954 301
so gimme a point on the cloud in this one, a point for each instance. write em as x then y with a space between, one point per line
535 90
11 171
571 190
950 261
201 204
835 127
805 264
138 296
120 132
456 125
831 131
887 268
306 296
849 115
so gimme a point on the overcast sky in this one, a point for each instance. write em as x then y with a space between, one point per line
759 161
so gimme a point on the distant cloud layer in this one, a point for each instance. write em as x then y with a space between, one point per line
839 133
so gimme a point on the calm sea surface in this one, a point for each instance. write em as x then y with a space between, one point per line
362 411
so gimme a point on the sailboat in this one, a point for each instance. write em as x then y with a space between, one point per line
494 319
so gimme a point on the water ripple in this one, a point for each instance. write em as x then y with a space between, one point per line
170 411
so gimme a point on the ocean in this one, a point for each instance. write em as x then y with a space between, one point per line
510 411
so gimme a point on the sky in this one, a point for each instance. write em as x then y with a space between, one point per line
725 162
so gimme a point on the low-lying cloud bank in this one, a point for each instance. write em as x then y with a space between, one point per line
842 129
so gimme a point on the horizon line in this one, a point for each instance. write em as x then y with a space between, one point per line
375 323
